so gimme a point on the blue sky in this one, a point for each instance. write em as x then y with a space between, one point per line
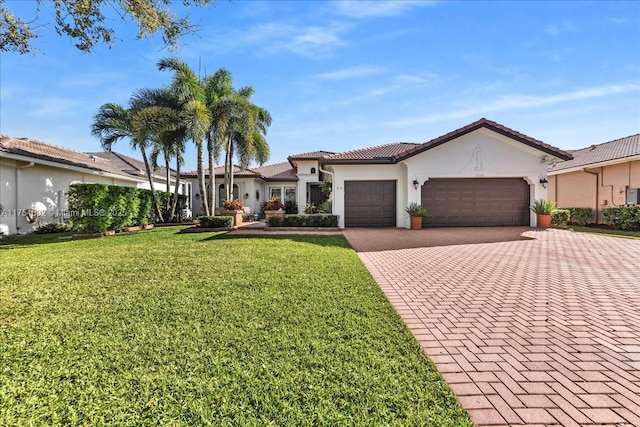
339 75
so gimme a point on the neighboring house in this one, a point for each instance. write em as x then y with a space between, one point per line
598 176
33 172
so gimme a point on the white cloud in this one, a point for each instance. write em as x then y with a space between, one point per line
350 73
516 102
367 9
560 28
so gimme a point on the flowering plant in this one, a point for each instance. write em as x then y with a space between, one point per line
232 205
273 205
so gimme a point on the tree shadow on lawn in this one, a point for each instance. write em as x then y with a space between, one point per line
333 240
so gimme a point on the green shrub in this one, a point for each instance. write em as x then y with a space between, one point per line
624 218
325 207
580 216
543 207
88 207
216 221
560 217
310 209
53 227
303 221
145 213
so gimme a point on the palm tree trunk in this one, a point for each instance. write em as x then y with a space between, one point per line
172 215
212 176
228 170
201 184
153 190
166 165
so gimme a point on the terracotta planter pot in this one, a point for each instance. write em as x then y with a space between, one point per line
269 214
147 227
416 222
543 221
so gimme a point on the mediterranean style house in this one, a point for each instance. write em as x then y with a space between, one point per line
599 176
483 174
480 175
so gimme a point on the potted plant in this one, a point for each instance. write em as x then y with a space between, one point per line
273 207
233 208
416 212
543 210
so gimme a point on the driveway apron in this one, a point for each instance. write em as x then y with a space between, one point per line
528 327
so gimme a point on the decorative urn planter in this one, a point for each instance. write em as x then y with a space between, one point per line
236 215
269 214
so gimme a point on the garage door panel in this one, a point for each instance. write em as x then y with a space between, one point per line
370 203
476 202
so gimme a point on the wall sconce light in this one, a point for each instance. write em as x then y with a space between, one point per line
246 196
197 196
257 195
416 184
544 182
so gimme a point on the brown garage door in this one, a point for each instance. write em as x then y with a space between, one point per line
369 203
476 202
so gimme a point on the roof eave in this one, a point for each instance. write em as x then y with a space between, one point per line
596 165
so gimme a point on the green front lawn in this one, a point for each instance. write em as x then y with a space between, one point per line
154 328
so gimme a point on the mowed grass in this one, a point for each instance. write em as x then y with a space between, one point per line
154 328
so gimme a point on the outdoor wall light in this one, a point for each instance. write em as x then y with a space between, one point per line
197 196
257 195
246 196
416 184
544 182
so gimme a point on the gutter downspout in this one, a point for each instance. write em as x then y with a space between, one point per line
597 191
29 165
332 189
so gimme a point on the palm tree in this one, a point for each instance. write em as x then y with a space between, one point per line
194 115
245 134
114 122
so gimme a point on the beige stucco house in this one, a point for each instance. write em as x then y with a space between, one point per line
33 172
599 176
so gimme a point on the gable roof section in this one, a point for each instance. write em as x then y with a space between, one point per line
219 172
52 153
496 127
386 153
312 155
618 149
276 172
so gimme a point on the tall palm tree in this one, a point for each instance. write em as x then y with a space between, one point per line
194 113
245 134
114 122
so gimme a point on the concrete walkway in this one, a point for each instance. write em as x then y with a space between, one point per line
528 327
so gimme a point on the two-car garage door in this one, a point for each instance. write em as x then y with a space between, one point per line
455 202
463 202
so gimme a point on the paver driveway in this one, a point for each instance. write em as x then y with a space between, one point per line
527 326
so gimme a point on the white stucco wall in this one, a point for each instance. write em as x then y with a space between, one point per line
379 172
305 178
22 185
480 154
247 186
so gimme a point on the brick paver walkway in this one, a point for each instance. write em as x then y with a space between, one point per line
528 327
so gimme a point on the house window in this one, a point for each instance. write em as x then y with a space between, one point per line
222 193
289 194
275 193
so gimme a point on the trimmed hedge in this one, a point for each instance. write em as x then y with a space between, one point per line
580 216
560 217
215 221
303 221
624 218
95 208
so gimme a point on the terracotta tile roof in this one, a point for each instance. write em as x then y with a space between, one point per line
382 153
277 172
618 149
129 164
312 155
52 153
496 127
219 172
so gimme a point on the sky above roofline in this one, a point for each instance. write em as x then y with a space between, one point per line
339 75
